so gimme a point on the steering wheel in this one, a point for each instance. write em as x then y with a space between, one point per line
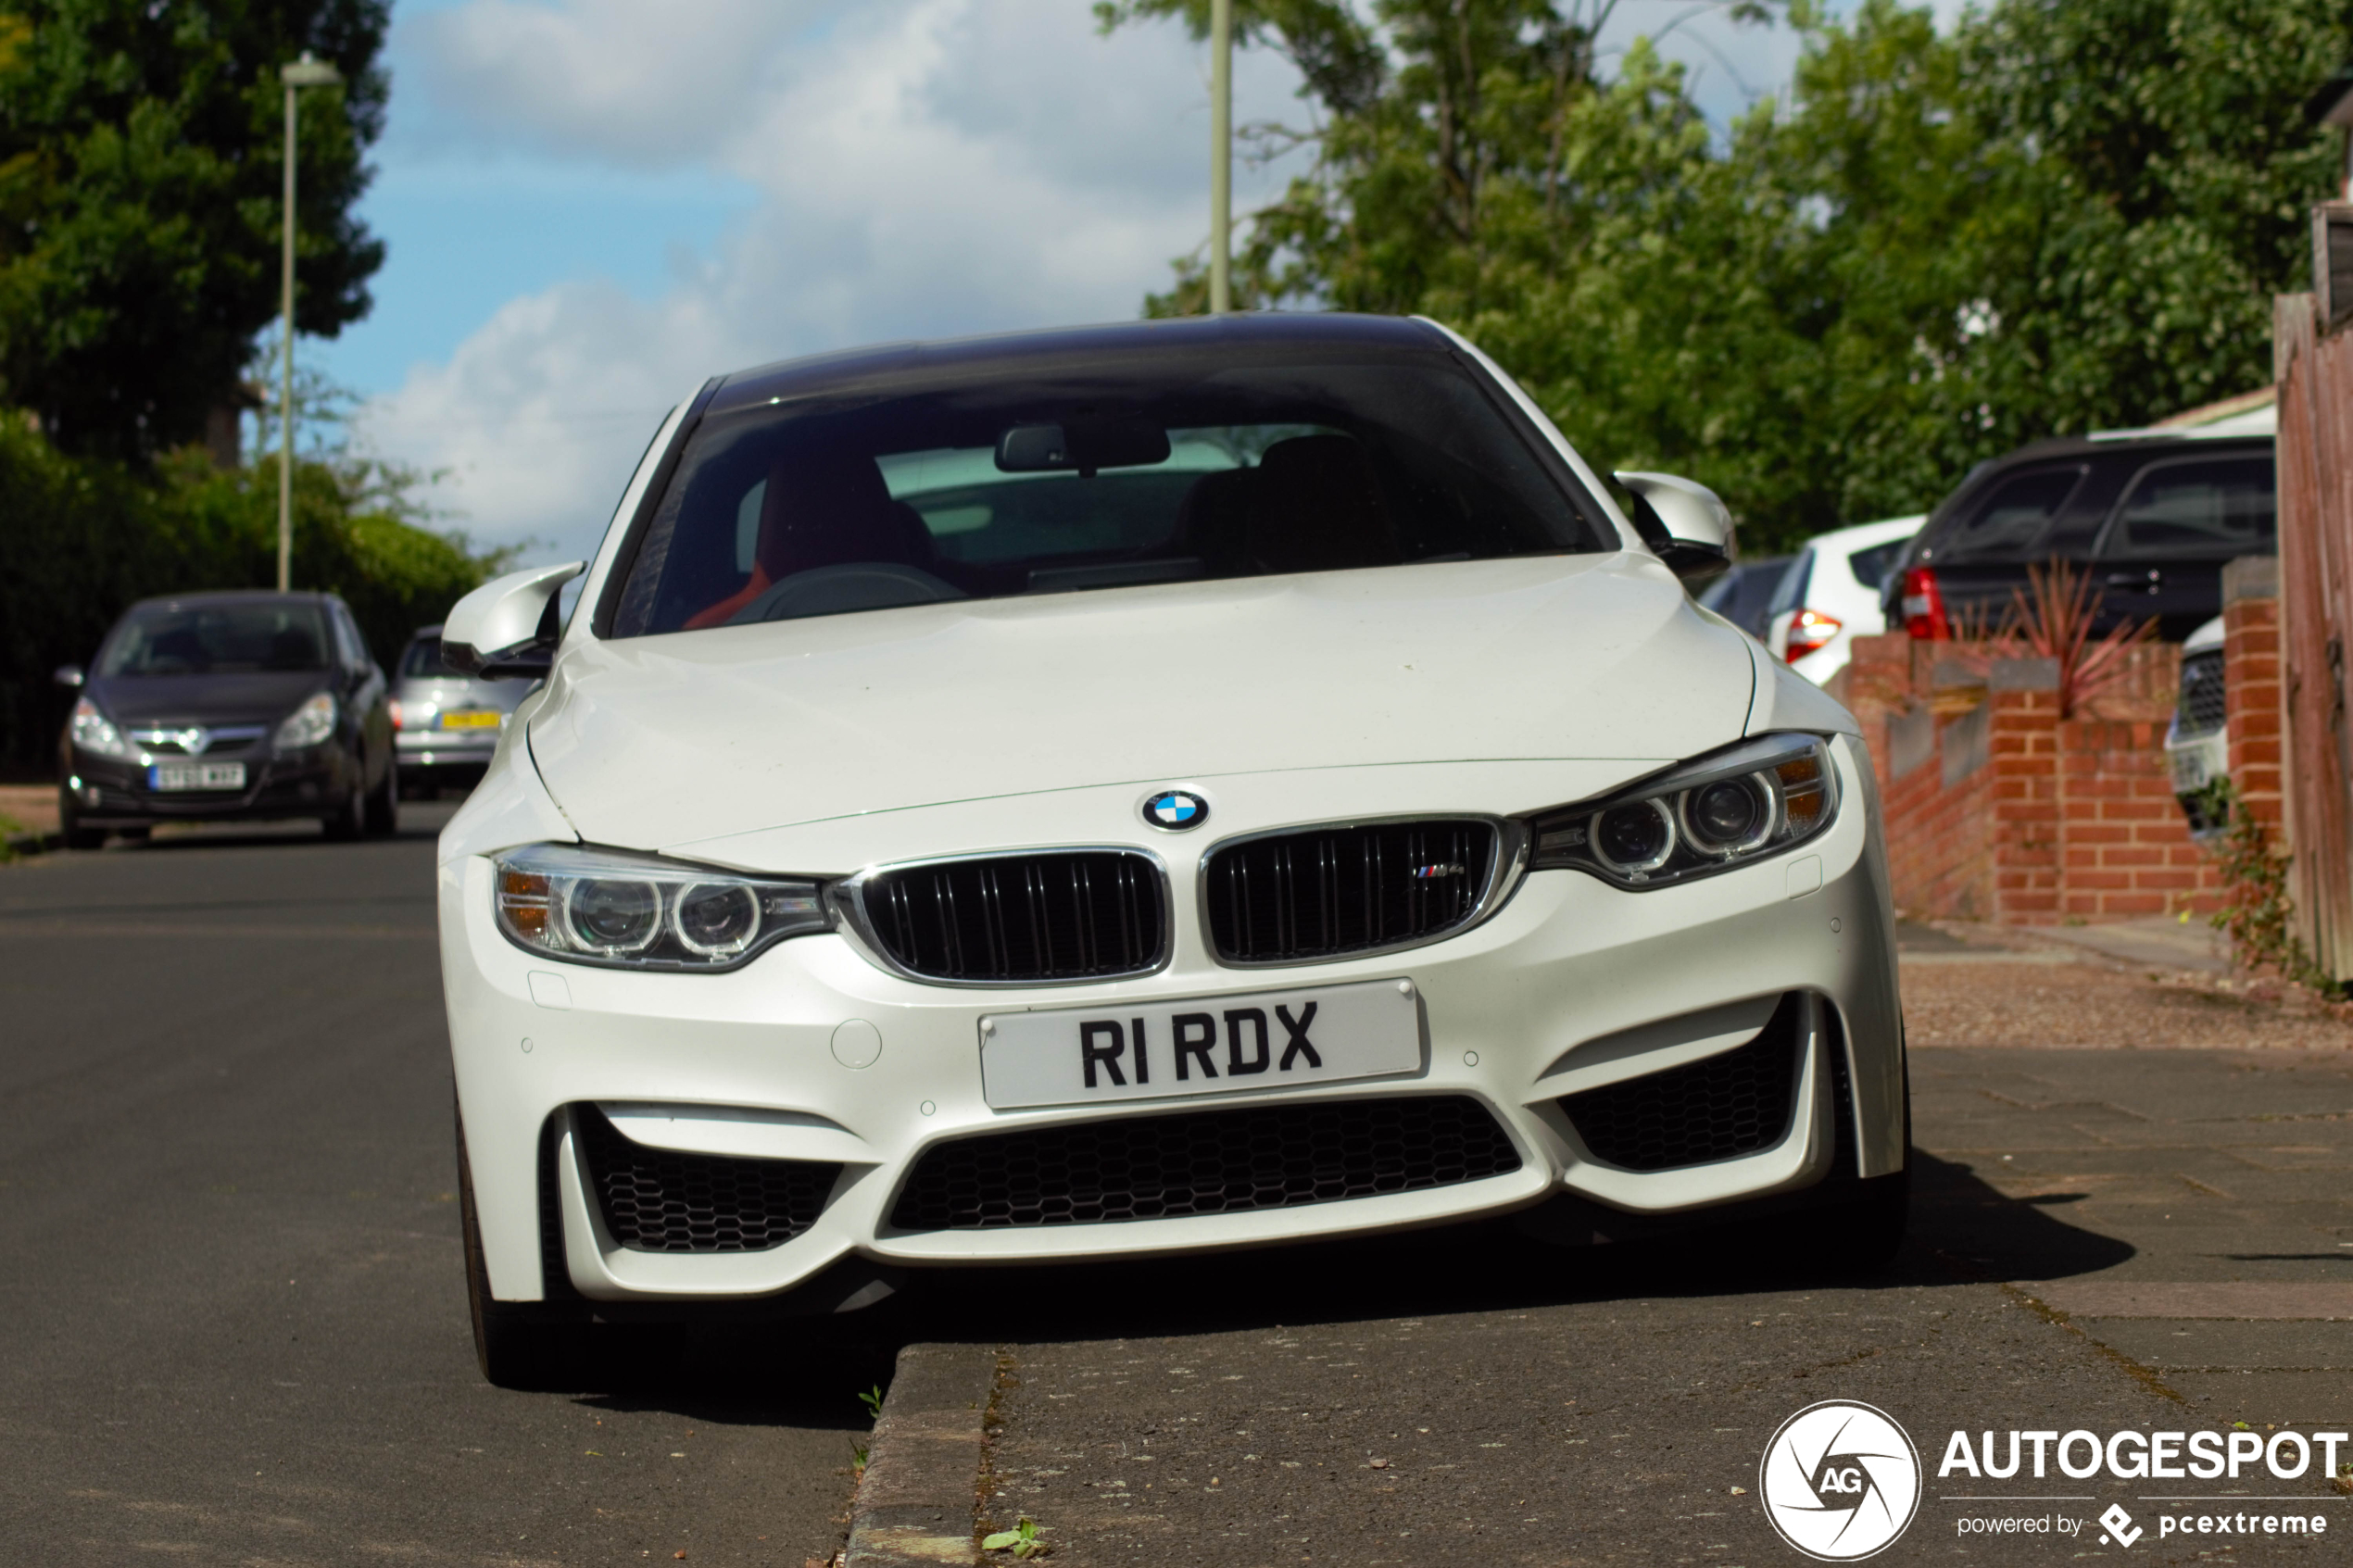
838 590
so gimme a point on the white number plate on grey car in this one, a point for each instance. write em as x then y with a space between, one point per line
1137 1050
196 776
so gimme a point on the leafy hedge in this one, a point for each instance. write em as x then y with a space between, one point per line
80 540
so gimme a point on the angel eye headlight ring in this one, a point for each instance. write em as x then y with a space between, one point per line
1715 813
622 910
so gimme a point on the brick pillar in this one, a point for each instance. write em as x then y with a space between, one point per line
2251 683
2124 846
2022 706
1875 686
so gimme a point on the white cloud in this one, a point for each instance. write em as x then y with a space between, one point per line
926 167
622 81
923 167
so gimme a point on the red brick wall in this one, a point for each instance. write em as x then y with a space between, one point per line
2251 695
2125 847
2028 880
2069 820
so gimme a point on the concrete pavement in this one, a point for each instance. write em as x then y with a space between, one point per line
2103 1238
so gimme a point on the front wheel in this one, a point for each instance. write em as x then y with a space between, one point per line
350 819
70 832
517 1344
384 804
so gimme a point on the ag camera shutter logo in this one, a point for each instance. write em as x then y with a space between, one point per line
1840 1481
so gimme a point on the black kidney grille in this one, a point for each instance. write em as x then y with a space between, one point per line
2200 712
1715 1109
1203 1162
660 1200
1323 892
1074 915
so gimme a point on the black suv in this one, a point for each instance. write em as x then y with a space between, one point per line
2155 517
209 706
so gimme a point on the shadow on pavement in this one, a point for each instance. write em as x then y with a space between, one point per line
809 1370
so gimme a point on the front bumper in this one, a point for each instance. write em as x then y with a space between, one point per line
1570 986
108 792
421 753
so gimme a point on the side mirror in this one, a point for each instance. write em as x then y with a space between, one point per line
508 628
68 676
1687 525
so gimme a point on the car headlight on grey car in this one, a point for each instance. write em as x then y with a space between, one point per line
95 733
308 724
621 909
1753 801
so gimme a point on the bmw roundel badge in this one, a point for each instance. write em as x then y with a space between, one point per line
1176 810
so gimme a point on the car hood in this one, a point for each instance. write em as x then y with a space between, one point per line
261 697
661 741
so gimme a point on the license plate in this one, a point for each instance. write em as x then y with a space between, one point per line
196 776
1215 1044
471 720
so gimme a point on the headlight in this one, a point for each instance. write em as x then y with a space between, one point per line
92 731
308 724
1756 799
640 911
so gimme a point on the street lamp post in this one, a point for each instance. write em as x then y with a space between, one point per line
307 71
1221 155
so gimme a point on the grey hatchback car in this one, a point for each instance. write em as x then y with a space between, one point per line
444 724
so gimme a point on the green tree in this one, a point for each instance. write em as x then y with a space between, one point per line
2049 218
141 170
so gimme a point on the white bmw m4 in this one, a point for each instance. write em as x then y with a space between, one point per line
1157 789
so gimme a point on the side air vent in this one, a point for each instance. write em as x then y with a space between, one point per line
1334 892
1012 920
1717 1108
662 1201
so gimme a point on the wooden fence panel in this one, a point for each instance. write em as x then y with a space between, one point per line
2315 379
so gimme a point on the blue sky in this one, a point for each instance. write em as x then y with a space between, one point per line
590 207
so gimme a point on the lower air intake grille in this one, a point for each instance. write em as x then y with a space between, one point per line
1325 892
1715 1109
2201 709
1075 915
1204 1162
660 1200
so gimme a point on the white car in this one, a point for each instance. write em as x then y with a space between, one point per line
1830 596
1160 788
2198 747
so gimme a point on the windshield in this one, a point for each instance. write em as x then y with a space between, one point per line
216 639
422 661
1131 474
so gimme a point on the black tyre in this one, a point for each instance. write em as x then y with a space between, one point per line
517 1344
69 829
350 820
1867 1231
382 807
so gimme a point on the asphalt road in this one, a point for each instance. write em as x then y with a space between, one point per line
232 1323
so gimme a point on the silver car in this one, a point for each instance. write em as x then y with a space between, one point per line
446 726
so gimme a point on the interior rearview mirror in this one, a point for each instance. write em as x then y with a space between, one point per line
1083 444
508 628
1686 524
